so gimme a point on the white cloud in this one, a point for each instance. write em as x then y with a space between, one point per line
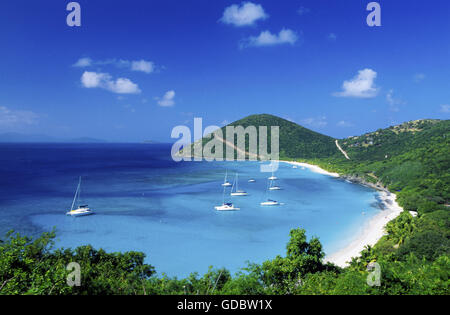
123 86
418 77
134 65
105 81
315 122
245 14
303 11
94 79
445 108
16 118
266 38
130 108
361 86
143 66
344 123
393 102
390 98
332 37
83 62
168 100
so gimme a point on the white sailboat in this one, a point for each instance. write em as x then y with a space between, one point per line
226 183
274 187
270 202
237 192
226 206
81 210
273 177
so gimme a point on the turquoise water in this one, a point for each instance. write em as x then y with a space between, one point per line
146 202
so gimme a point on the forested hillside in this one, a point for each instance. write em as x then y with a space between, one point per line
294 140
411 160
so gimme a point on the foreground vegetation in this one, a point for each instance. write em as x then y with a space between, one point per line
411 160
33 267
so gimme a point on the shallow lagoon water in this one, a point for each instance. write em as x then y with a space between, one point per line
146 202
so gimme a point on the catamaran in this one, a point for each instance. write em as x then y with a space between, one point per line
81 210
226 206
226 183
237 192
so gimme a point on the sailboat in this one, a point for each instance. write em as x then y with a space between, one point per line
270 202
237 192
273 177
81 210
274 187
226 183
226 206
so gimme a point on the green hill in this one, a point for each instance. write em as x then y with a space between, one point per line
411 159
395 140
295 141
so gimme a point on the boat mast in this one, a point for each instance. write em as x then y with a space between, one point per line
223 195
77 194
234 182
269 185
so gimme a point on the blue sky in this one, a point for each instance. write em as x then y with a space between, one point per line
136 69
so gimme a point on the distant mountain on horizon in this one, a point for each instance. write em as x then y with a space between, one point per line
13 137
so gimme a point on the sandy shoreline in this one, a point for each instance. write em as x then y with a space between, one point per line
373 229
313 168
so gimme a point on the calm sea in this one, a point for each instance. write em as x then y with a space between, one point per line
146 202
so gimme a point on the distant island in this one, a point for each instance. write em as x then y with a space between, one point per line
12 137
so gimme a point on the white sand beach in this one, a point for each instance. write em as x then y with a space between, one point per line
371 233
373 229
313 168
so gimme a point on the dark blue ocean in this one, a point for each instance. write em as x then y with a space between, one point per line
146 202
